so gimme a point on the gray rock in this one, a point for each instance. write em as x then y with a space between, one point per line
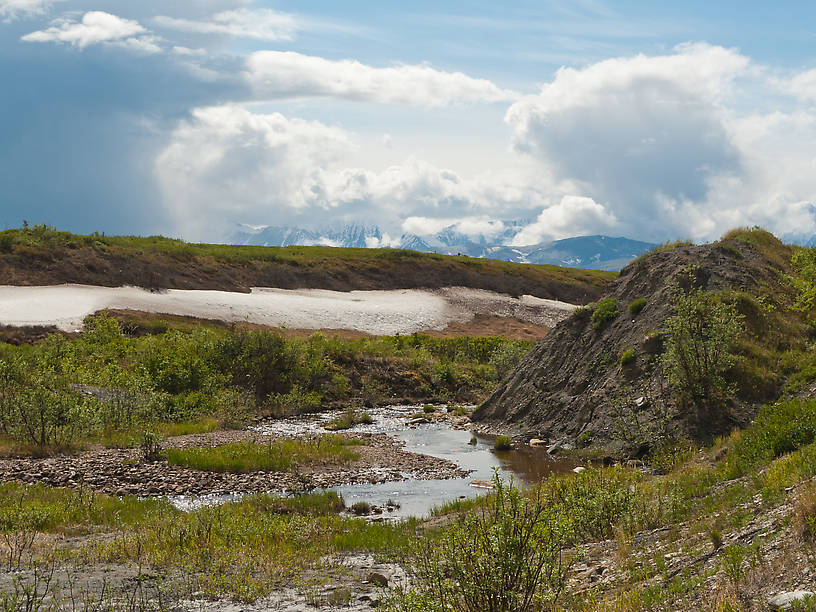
378 579
784 601
481 484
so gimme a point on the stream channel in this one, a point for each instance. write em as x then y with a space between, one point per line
418 497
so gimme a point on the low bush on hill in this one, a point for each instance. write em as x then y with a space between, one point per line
636 305
605 311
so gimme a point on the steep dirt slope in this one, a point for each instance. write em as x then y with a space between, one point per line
572 381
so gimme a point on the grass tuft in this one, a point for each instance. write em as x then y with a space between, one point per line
277 456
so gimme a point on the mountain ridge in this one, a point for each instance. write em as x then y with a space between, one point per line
597 252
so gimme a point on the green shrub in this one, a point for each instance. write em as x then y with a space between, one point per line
635 306
508 557
582 313
778 429
699 340
428 408
446 374
360 508
458 411
506 357
502 443
605 311
6 242
627 356
44 412
350 417
668 454
150 445
583 439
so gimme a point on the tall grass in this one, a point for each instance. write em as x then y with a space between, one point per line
277 456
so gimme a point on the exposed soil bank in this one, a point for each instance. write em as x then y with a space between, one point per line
41 256
372 312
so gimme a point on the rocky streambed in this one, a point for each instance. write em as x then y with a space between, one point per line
124 472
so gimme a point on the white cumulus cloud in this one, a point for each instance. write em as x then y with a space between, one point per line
98 27
228 164
261 24
655 148
647 136
803 85
286 74
572 216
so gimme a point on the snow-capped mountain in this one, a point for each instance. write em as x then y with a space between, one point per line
598 252
353 235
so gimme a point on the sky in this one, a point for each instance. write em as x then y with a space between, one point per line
655 121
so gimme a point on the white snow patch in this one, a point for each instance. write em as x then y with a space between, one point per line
376 312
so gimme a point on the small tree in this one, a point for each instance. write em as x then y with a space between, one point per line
699 340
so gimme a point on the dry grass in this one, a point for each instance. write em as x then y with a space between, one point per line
804 515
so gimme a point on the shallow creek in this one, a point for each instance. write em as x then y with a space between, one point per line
418 497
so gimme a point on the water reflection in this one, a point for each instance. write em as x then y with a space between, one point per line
419 497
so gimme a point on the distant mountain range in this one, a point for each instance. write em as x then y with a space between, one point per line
596 252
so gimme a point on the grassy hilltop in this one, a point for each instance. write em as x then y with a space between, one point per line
41 255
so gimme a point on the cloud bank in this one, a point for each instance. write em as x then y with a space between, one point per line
260 24
286 74
17 9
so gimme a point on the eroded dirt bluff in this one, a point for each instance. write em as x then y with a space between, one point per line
572 381
46 257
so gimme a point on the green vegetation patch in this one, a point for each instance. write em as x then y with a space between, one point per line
778 429
636 305
278 456
59 510
103 386
605 311
502 443
351 416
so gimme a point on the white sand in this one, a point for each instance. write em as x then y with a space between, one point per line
376 312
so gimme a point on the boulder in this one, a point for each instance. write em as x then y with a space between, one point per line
785 601
378 579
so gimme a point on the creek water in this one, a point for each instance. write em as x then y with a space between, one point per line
418 497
